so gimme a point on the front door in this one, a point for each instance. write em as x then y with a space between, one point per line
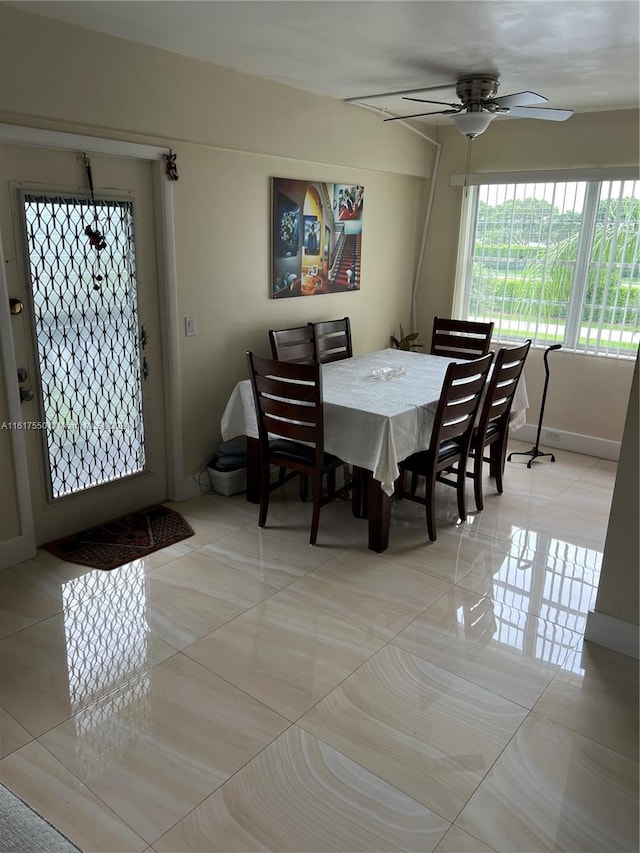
79 247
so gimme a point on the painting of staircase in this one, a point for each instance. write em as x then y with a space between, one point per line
347 273
317 237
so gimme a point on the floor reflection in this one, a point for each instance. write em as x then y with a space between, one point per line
487 621
548 586
106 632
106 730
548 577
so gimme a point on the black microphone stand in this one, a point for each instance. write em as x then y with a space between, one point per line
535 452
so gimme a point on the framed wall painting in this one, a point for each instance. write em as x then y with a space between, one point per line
316 237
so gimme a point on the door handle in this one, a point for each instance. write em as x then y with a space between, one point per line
26 395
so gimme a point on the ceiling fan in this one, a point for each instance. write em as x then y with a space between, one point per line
479 105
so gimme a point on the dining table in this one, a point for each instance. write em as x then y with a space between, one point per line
378 409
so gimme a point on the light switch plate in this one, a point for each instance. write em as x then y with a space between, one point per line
189 326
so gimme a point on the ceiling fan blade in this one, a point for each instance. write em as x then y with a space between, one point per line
422 101
539 112
519 99
419 115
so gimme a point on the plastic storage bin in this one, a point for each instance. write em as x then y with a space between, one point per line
228 482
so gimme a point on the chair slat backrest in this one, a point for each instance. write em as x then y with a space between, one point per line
459 401
288 401
295 345
501 387
333 340
460 338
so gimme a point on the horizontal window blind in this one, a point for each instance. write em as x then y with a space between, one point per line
556 261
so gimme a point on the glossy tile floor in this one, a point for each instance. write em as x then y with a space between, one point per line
243 691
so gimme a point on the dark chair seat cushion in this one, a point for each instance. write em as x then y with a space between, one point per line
301 453
418 461
492 429
448 448
415 462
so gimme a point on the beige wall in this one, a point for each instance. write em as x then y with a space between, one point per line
618 589
232 133
587 395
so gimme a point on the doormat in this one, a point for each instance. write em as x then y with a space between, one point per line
127 538
23 829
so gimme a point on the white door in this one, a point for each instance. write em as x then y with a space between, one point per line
87 341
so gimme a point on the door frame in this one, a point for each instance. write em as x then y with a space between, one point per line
23 547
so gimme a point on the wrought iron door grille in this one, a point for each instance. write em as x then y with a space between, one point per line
85 311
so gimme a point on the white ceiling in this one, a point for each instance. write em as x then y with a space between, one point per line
580 54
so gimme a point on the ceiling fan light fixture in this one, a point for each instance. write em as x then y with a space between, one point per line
473 124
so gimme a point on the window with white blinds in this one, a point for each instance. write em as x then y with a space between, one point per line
557 262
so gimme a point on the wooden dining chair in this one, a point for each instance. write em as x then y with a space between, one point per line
333 340
460 338
288 401
493 426
297 345
450 438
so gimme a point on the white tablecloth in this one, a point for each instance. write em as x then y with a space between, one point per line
370 422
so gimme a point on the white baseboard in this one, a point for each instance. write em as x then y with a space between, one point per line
605 630
590 445
16 550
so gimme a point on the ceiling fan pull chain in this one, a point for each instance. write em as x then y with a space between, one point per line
467 167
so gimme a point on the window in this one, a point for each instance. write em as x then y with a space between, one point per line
86 321
557 261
